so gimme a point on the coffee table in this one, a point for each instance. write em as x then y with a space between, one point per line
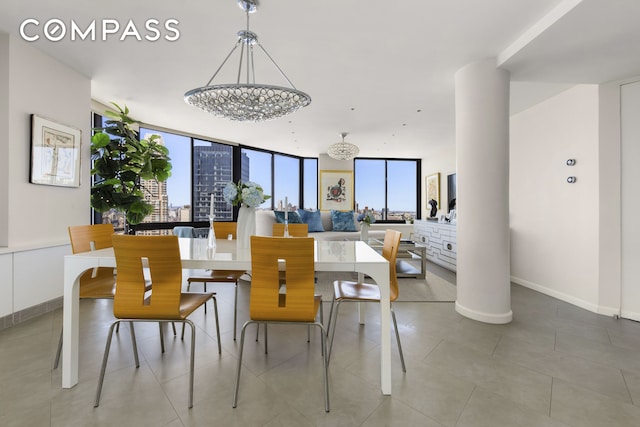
407 249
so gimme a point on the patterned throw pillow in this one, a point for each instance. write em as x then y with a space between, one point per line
312 219
342 221
293 217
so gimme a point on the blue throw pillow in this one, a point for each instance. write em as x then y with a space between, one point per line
312 219
293 217
342 221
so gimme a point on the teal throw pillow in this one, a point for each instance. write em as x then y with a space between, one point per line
342 221
293 217
312 219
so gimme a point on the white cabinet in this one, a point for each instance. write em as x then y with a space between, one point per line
440 240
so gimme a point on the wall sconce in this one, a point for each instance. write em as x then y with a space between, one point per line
571 162
572 179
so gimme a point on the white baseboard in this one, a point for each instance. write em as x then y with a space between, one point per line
595 308
495 319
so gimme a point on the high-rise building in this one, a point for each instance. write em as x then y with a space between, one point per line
155 193
212 170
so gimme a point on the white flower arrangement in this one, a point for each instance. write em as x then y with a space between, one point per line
366 217
244 193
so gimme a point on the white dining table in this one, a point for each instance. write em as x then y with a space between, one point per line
355 256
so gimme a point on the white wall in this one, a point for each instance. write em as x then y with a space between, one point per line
4 139
610 199
554 224
40 85
34 238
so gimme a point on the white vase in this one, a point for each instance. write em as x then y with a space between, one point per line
211 242
364 232
246 226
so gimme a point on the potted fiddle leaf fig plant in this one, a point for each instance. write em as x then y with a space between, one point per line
121 160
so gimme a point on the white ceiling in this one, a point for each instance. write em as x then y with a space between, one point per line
382 71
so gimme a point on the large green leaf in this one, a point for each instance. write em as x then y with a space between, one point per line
120 160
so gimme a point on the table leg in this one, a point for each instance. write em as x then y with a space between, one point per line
380 274
361 307
70 323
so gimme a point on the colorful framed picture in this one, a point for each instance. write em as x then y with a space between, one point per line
433 189
55 153
336 190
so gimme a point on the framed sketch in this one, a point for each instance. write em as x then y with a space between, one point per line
336 190
55 153
433 188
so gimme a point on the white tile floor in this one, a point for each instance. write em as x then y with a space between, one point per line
554 365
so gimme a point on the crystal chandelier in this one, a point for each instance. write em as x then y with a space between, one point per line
343 150
247 101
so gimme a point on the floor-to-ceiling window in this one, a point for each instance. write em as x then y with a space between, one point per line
309 184
257 166
201 168
212 169
389 187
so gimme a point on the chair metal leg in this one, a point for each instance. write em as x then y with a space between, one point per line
333 331
321 321
215 310
237 385
56 362
333 302
325 362
133 343
192 364
235 312
173 325
395 326
161 336
104 364
266 351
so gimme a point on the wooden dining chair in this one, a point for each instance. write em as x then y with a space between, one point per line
98 282
295 230
366 292
222 231
166 302
298 305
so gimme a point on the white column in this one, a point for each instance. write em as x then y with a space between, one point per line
482 202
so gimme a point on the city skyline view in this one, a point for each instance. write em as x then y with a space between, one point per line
369 178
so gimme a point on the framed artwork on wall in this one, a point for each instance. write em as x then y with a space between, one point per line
336 190
433 188
55 153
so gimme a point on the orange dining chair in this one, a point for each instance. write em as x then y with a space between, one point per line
299 305
222 231
98 282
366 292
166 301
295 230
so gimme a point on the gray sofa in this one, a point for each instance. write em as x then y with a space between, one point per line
266 218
